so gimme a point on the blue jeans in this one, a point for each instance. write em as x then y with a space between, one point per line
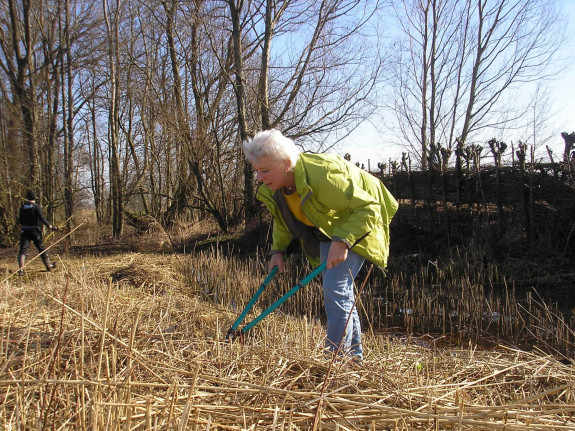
338 297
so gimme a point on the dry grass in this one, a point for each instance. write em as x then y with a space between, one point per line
135 341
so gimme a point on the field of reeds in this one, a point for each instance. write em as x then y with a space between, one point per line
119 338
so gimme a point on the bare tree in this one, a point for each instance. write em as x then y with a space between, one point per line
239 84
539 118
201 183
324 81
38 61
209 73
112 20
461 60
18 40
96 159
312 86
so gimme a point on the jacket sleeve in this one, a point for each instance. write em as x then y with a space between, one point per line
342 197
281 236
41 216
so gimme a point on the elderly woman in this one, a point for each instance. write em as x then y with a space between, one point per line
339 213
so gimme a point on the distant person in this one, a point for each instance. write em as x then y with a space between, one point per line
31 220
339 213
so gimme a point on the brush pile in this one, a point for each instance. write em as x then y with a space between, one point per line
126 343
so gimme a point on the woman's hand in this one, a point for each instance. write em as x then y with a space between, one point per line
277 260
337 253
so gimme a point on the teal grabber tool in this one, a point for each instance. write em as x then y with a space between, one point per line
234 332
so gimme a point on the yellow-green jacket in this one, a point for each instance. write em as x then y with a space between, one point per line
343 201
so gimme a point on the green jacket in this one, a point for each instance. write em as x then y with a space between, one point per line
343 201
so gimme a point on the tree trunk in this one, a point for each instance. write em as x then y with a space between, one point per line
23 84
239 89
69 126
114 121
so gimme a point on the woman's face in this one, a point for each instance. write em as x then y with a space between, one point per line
271 172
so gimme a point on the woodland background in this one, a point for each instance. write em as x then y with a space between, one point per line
140 107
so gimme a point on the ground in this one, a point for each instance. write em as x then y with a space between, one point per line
116 339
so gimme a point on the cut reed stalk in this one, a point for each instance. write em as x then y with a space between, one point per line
136 353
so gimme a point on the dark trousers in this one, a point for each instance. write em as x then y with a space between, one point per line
32 235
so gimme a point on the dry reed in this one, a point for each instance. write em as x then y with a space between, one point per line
135 341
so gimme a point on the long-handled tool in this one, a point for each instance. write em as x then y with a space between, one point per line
241 317
235 332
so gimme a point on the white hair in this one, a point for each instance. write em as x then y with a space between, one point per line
273 144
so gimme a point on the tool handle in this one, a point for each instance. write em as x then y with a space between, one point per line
253 300
233 331
288 294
